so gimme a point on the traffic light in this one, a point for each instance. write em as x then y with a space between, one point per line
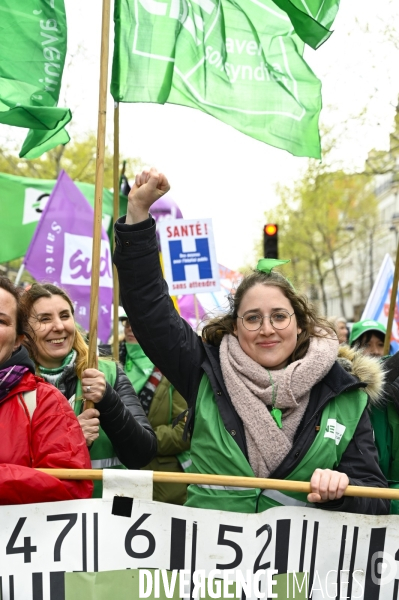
270 240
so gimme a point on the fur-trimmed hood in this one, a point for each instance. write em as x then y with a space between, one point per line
367 369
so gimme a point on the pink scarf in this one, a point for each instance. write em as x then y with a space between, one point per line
250 389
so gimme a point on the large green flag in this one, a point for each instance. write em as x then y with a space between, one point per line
311 19
239 62
32 54
22 201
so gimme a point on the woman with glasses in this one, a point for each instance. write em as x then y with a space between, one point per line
267 395
117 432
162 404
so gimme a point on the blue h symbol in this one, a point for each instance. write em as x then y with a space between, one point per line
200 256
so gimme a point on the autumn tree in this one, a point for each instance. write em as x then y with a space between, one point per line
77 158
320 219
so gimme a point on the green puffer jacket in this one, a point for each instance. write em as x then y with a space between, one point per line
385 421
383 408
166 405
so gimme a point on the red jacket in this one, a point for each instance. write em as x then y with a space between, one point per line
53 439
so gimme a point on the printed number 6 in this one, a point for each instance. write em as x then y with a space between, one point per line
134 531
223 542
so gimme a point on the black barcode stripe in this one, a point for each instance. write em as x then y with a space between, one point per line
37 586
313 557
177 544
377 543
283 528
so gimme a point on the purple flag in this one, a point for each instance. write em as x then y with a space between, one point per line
165 208
60 253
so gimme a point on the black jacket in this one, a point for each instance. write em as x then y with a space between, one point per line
183 357
124 421
19 357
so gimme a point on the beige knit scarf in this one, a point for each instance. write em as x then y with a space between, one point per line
250 389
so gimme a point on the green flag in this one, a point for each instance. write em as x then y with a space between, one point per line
311 19
32 55
239 63
22 201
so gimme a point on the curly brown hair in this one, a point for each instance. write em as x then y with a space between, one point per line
28 299
307 319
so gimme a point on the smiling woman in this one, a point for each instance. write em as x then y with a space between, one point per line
38 427
54 329
117 431
268 397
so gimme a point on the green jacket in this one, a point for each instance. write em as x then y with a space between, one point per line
166 405
384 419
213 450
102 453
385 422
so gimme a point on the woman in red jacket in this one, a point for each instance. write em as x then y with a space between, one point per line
37 426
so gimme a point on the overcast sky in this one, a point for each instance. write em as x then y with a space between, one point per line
218 172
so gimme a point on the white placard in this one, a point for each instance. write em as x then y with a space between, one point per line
189 257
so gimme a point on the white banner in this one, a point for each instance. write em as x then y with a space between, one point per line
344 555
189 257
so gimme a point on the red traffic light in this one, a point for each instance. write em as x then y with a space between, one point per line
270 229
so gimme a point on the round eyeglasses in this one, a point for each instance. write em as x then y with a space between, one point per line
279 319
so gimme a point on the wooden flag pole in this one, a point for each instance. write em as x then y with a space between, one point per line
98 191
227 480
115 330
392 305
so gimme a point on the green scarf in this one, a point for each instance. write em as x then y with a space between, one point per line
53 375
138 366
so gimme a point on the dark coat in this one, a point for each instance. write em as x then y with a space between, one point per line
183 357
124 421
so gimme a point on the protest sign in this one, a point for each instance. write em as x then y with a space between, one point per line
63 550
189 256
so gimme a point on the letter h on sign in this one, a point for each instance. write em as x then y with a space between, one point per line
202 259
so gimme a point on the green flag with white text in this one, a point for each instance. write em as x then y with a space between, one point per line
239 62
33 38
311 19
22 200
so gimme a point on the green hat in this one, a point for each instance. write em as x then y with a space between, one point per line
121 313
362 326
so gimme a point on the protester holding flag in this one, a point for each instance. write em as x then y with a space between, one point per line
38 427
162 404
267 395
117 431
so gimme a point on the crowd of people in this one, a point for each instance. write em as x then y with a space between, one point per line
269 389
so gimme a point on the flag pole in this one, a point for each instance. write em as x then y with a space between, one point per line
228 480
98 191
392 305
19 274
115 331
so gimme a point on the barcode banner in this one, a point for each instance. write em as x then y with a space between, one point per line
287 552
